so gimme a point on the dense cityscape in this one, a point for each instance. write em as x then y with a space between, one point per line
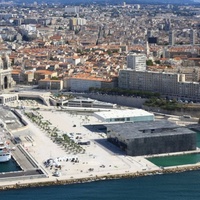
76 48
96 91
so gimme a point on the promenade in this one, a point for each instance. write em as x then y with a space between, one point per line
100 158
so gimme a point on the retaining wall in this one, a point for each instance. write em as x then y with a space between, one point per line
119 100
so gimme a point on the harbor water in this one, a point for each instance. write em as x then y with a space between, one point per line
9 166
180 186
168 161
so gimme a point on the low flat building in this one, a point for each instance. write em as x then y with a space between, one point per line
153 137
6 98
91 103
134 115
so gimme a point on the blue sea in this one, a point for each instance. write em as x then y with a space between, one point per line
181 186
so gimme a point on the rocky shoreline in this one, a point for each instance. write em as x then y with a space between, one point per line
177 169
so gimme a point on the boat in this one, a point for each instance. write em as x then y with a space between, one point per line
5 154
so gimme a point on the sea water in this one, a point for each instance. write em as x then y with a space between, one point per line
168 161
180 186
9 166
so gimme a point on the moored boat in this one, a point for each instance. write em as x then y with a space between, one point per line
5 154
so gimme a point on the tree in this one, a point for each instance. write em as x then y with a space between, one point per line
157 62
79 51
149 62
109 52
54 78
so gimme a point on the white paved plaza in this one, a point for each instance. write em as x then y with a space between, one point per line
98 157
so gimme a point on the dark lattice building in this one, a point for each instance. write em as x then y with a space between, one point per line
153 137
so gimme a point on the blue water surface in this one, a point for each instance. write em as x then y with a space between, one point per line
181 186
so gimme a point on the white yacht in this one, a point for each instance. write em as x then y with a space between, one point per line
5 154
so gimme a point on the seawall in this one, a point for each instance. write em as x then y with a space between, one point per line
59 181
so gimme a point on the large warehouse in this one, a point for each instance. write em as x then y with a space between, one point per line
129 115
153 137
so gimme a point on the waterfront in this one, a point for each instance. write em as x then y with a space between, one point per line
181 186
89 168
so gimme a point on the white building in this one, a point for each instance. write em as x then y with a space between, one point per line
135 115
172 38
29 27
192 37
81 21
6 98
71 9
136 62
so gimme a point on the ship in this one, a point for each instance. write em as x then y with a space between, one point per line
5 154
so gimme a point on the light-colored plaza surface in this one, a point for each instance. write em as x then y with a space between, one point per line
102 157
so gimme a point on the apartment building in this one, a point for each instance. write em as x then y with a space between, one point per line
136 61
72 9
83 84
17 75
171 37
44 74
172 85
28 77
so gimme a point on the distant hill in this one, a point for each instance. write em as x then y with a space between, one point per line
110 1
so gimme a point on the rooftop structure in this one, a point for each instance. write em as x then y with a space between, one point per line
135 115
82 102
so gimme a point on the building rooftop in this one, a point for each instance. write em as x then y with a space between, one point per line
130 130
10 119
123 113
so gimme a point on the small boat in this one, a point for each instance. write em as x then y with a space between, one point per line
5 154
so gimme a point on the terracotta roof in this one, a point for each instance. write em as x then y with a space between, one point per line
43 72
49 80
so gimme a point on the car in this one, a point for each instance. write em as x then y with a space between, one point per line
17 140
187 116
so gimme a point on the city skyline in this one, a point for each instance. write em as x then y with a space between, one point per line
108 1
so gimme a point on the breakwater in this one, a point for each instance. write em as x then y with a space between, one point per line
58 181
